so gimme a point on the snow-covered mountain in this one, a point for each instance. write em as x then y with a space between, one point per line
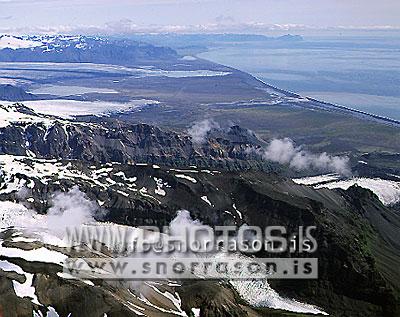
14 42
60 48
48 43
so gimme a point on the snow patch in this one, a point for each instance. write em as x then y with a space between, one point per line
160 184
188 58
314 180
205 198
191 179
237 211
387 191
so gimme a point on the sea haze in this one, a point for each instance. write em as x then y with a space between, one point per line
356 71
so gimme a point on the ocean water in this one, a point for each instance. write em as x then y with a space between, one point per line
359 72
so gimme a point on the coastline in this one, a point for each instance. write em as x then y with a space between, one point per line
366 115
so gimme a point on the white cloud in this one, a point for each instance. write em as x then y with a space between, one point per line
69 210
200 129
284 151
221 24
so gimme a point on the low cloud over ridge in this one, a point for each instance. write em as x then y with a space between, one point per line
284 151
199 130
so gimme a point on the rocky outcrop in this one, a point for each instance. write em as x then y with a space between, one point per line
114 141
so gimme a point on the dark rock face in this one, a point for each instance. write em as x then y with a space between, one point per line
119 142
10 304
12 93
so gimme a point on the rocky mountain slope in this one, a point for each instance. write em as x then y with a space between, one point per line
24 132
115 166
357 235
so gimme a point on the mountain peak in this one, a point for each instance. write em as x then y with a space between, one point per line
12 93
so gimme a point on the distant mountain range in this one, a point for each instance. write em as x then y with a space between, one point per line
83 49
227 37
93 49
202 41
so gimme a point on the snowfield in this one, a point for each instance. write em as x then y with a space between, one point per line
68 109
48 43
259 293
9 114
314 180
387 191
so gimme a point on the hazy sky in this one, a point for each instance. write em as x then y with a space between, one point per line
119 16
